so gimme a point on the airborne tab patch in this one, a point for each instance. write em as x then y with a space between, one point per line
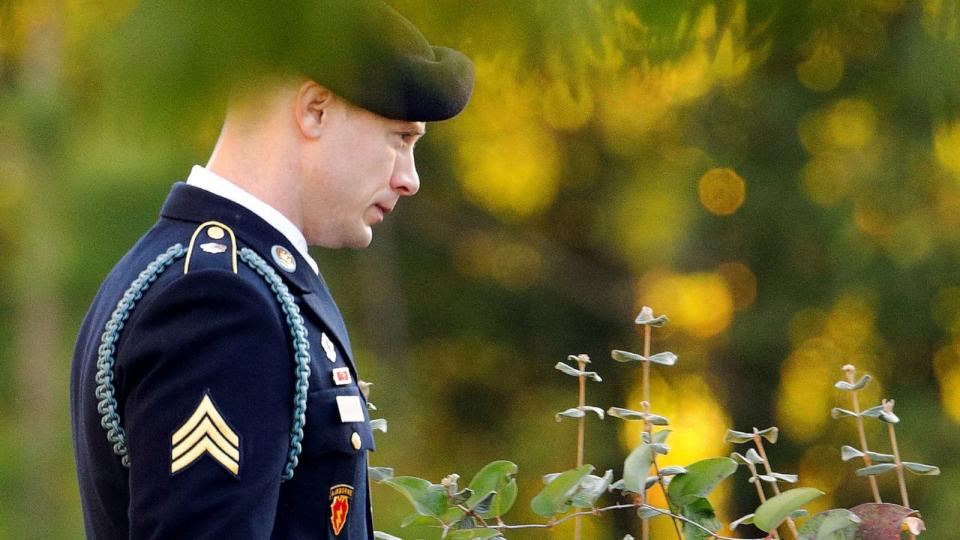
340 495
205 432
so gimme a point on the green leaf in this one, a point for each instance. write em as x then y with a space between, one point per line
637 466
753 457
647 512
699 480
701 512
626 414
591 488
672 470
880 458
889 417
879 413
646 318
836 524
626 356
656 419
873 412
555 496
379 424
770 434
799 513
572 412
573 372
384 536
427 499
659 437
844 385
837 412
745 520
788 478
771 513
848 452
663 358
874 470
920 468
417 519
379 474
494 477
737 437
739 458
502 501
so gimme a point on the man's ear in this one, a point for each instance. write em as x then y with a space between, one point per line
313 103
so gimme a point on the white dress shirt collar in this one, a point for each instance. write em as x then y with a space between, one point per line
208 180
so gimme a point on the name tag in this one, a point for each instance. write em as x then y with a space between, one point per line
350 409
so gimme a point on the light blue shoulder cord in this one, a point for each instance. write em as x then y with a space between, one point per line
105 391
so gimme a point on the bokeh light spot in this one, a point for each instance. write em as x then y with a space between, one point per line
514 265
698 303
946 364
826 179
722 191
741 282
851 123
946 145
823 69
946 309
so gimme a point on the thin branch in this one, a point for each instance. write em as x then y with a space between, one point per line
597 511
851 378
758 442
581 363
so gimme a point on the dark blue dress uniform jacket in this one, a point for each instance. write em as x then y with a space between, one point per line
212 333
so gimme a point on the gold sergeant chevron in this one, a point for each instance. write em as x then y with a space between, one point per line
205 432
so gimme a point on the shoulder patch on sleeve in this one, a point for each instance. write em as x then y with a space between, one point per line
218 247
205 432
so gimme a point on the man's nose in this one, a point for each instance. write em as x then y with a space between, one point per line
405 180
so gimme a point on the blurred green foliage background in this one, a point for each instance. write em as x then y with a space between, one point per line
781 178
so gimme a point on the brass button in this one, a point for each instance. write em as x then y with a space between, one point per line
355 440
215 232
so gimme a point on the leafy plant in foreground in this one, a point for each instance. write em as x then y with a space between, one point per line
476 512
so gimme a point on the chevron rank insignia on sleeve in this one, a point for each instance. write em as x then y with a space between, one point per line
205 432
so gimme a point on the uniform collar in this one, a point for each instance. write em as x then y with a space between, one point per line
204 178
196 205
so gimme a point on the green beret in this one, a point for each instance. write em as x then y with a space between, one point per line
366 52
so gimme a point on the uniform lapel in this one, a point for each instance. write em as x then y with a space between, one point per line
197 205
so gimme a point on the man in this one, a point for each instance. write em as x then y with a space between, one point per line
213 390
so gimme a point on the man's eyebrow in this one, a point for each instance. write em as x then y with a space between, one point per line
415 129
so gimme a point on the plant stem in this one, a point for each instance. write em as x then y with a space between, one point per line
888 406
582 420
760 494
851 378
646 371
647 426
581 427
595 511
663 486
758 441
896 458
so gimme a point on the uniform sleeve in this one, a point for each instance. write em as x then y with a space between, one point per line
205 373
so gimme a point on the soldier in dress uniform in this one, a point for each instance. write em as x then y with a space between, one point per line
213 389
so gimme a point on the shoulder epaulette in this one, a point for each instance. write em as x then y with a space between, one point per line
212 239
